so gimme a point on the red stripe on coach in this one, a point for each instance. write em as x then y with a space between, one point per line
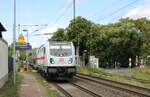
40 58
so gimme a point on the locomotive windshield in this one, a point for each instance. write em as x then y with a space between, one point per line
60 50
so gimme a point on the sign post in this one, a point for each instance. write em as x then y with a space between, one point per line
21 39
23 46
141 62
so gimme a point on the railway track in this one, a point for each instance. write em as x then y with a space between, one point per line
140 91
135 90
67 94
70 94
129 78
86 90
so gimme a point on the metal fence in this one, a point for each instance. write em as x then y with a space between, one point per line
10 64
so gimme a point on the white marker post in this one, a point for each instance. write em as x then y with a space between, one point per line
130 64
136 61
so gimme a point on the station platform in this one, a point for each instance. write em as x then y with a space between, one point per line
30 87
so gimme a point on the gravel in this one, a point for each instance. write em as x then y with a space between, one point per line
103 90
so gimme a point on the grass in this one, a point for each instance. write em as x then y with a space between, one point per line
135 74
124 80
89 70
9 89
143 73
43 83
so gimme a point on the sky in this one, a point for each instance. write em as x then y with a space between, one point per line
52 14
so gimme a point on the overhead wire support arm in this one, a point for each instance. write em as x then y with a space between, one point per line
33 25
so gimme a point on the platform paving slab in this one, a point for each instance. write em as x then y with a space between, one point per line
31 88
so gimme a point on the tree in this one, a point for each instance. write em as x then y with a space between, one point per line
111 43
79 30
59 34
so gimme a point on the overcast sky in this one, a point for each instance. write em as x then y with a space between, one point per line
58 13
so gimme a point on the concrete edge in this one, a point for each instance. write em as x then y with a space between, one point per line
3 80
4 41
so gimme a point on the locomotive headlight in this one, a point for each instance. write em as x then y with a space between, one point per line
52 61
70 60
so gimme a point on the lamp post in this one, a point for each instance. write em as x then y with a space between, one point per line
14 44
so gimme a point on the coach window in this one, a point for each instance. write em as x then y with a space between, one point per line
44 50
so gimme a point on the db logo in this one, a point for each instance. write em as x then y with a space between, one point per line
61 59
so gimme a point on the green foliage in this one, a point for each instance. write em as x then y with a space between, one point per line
21 52
10 51
9 89
112 43
59 34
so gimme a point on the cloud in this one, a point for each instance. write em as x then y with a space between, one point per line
141 11
38 40
29 15
63 10
53 28
35 41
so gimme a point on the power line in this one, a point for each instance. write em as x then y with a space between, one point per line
56 21
104 9
118 10
61 15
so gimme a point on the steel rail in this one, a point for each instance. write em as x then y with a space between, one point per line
111 83
86 90
62 90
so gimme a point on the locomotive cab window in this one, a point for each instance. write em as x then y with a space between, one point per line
61 50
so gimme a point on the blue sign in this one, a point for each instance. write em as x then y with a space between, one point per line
23 47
